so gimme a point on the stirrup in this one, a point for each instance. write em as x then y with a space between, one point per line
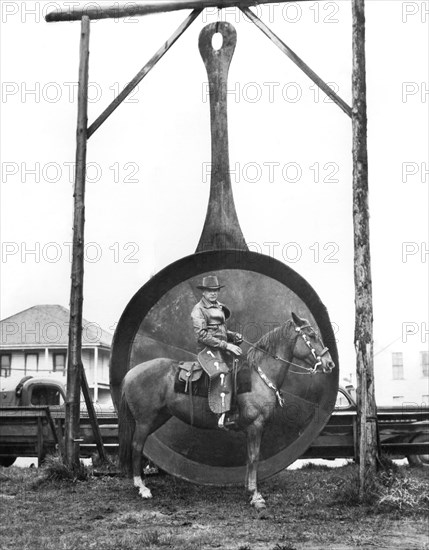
228 421
221 422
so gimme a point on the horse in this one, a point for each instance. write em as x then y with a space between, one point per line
148 399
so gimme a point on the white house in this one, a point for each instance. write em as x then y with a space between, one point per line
401 371
402 374
36 339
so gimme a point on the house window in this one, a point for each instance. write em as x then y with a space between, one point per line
31 362
60 362
5 363
398 400
424 361
397 366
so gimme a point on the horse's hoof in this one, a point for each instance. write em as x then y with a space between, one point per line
145 493
258 502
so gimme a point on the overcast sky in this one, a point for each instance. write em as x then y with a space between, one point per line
148 181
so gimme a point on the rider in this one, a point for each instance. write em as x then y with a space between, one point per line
208 317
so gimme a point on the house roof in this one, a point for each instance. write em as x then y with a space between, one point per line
47 326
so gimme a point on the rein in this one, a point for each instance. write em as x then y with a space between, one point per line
312 370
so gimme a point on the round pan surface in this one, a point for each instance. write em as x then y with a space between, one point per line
261 293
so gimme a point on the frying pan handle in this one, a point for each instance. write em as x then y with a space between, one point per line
221 229
217 61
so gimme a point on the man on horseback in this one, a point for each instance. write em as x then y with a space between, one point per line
214 340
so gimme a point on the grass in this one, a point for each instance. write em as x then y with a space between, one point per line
55 469
309 508
392 489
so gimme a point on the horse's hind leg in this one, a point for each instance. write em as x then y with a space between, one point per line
254 435
140 434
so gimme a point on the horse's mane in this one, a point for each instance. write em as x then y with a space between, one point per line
269 343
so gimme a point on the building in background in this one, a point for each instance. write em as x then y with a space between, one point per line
402 374
34 342
401 371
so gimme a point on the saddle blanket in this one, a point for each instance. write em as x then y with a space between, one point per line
200 387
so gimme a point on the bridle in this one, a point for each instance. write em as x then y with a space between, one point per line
317 358
312 370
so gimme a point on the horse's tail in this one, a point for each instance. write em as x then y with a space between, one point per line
126 427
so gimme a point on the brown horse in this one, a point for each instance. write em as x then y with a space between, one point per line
148 398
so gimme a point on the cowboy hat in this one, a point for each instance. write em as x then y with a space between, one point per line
210 283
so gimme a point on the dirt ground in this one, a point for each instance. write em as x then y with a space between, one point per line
313 508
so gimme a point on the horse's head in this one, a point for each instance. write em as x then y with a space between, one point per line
310 348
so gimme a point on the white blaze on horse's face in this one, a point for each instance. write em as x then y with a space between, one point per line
309 348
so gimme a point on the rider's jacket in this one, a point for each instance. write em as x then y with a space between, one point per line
209 325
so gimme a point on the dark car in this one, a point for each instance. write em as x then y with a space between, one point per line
403 431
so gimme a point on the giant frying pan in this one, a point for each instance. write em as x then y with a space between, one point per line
261 293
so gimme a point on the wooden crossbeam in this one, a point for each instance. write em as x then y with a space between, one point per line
298 61
149 6
143 72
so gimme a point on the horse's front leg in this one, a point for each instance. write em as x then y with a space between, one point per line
254 435
140 435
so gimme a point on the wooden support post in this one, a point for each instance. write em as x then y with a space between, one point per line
143 72
95 374
58 429
76 295
40 442
92 416
367 412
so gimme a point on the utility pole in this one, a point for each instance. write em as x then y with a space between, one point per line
367 411
76 294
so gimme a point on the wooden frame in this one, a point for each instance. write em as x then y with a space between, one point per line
367 422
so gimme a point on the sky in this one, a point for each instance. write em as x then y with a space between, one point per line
148 165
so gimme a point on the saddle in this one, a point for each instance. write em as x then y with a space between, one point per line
213 363
189 372
220 385
219 375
